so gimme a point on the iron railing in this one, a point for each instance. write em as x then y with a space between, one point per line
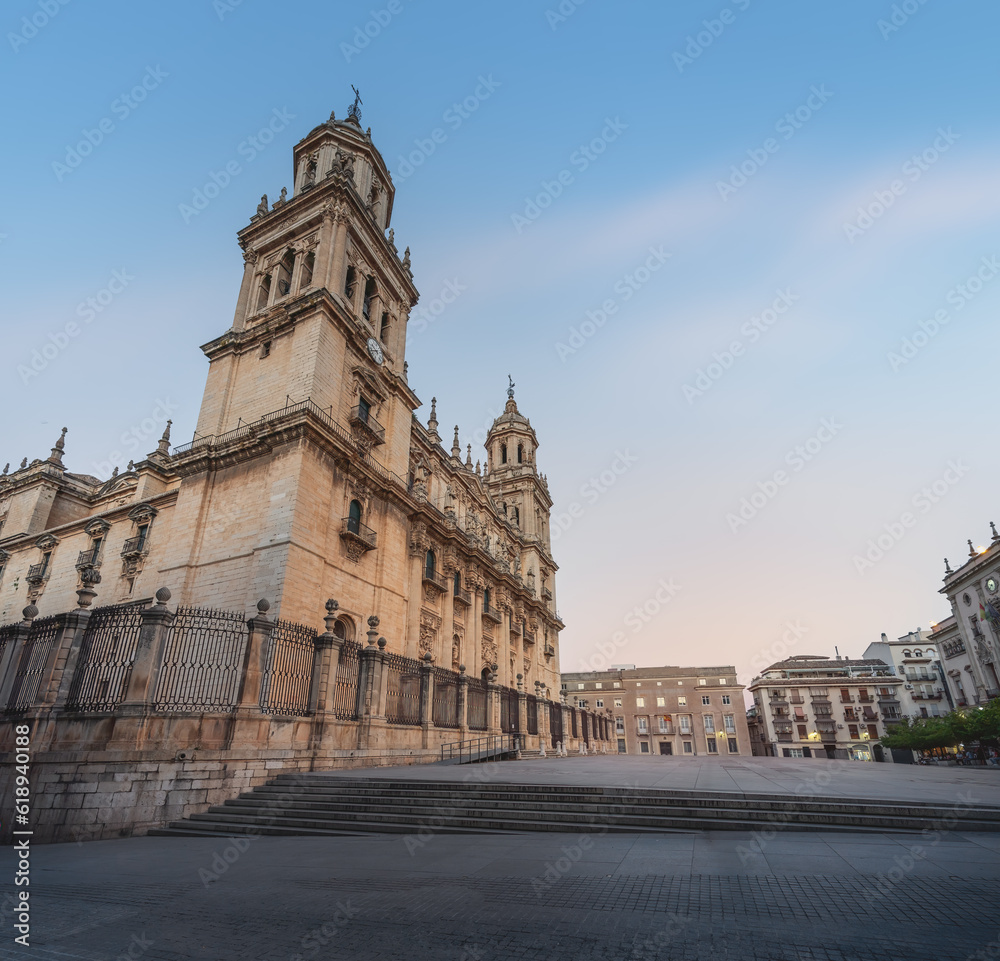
475 707
7 634
107 652
362 417
345 694
89 557
491 747
572 721
555 723
288 670
28 674
463 596
37 572
402 690
532 713
509 720
202 661
434 578
135 545
353 529
444 709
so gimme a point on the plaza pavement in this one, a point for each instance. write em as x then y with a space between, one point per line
767 896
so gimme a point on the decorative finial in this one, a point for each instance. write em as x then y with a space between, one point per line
406 258
131 465
355 108
162 596
468 456
478 467
114 473
163 447
24 463
456 448
432 421
6 467
330 620
262 206
263 605
57 451
947 567
972 550
993 528
510 389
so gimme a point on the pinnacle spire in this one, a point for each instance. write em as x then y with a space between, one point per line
57 451
456 448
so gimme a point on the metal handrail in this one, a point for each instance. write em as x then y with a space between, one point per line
490 747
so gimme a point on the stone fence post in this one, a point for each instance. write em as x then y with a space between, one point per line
156 621
426 699
522 710
255 661
326 660
463 702
371 687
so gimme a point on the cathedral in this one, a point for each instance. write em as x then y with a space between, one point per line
309 476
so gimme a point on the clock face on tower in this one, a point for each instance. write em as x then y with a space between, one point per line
375 349
991 585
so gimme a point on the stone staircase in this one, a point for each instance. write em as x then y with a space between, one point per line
306 804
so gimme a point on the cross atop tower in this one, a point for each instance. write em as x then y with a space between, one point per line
355 108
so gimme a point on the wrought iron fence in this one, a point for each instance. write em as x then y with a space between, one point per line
475 706
107 652
345 692
288 670
532 714
402 690
445 706
585 727
31 663
7 634
509 720
555 723
572 719
202 661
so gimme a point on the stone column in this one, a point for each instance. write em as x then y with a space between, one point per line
426 699
448 624
475 632
12 655
522 709
542 709
567 725
246 289
255 661
371 688
325 662
492 706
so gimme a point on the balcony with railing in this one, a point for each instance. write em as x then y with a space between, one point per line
37 573
492 615
463 596
357 534
515 628
434 581
546 593
362 419
796 699
136 545
89 558
922 696
550 650
865 699
529 636
846 700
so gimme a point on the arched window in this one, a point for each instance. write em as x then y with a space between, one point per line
520 453
285 272
383 331
430 562
350 283
308 265
344 629
354 518
503 453
486 599
264 291
370 291
517 516
458 581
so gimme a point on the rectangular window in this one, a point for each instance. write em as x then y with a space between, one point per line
685 724
616 684
682 701
643 725
702 681
709 724
621 745
661 702
665 725
795 752
598 685
640 702
802 732
852 730
600 702
734 747
705 699
729 721
872 731
712 746
618 702
643 747
722 681
580 687
619 725
726 699
687 747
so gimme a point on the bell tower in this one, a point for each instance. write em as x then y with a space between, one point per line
324 302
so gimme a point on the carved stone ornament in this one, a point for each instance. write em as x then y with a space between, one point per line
489 652
142 513
97 528
355 549
419 540
46 542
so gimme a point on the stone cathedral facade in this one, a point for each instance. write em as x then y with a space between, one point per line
308 475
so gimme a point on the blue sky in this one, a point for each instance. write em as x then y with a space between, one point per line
599 168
